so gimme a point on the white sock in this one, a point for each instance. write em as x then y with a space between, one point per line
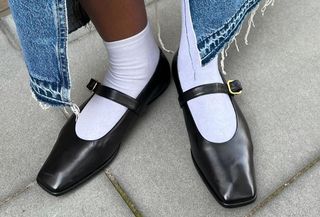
132 62
213 113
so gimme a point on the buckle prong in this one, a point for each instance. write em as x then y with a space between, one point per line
95 85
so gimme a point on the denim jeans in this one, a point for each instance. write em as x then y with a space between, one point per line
43 28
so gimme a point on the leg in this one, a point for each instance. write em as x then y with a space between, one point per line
214 114
223 152
116 20
133 57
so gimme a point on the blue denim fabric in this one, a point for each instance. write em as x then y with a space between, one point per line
216 22
43 28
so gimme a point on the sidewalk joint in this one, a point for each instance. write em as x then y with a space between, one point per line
123 194
16 194
283 187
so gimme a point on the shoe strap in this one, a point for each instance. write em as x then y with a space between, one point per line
233 87
114 95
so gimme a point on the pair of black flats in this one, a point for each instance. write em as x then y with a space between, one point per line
226 168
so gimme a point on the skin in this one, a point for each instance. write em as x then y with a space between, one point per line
116 19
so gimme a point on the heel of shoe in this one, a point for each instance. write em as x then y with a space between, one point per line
164 80
159 91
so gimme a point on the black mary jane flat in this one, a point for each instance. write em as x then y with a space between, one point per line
226 168
72 160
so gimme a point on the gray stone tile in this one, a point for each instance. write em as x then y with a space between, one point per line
97 198
27 132
8 27
300 199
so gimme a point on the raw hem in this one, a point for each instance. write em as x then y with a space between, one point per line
217 45
48 96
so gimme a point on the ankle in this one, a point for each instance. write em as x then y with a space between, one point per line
132 62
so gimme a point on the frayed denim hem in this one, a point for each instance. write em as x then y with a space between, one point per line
49 94
213 44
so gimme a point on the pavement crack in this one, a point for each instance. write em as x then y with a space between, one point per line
16 194
123 194
283 187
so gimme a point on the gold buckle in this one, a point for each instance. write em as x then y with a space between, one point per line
230 90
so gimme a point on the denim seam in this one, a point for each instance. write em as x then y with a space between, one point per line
210 45
63 49
50 93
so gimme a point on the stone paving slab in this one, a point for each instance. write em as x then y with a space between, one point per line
300 199
26 130
97 198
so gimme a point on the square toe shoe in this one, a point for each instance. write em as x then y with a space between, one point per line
226 168
72 160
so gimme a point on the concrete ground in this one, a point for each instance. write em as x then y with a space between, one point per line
279 70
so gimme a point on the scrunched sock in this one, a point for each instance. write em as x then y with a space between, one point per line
132 62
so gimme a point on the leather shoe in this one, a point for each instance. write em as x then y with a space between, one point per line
226 168
73 160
